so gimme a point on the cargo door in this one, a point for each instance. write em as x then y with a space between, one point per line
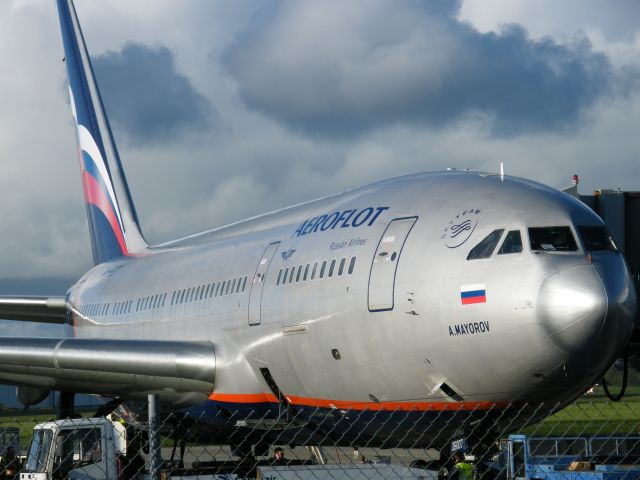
385 263
257 286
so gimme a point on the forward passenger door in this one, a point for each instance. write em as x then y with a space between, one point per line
257 285
385 264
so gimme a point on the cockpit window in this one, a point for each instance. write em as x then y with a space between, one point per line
597 239
552 239
487 245
512 243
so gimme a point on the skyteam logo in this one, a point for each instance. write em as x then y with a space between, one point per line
460 228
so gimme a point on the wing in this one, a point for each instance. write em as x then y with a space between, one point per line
179 372
34 309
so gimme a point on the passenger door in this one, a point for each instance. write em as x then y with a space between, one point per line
385 263
257 285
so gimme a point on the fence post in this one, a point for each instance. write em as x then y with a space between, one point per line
155 458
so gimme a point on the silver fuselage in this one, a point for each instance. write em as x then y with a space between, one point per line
395 329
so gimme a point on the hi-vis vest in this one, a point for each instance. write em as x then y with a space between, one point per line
466 471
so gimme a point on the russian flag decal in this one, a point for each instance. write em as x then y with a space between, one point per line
473 294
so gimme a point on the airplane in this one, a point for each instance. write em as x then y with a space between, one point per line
390 314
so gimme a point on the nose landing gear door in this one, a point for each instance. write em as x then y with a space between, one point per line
385 263
257 285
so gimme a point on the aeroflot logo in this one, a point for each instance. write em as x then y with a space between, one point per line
342 219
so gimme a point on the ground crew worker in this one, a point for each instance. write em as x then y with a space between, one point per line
278 456
9 465
461 470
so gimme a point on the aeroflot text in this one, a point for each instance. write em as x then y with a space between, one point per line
469 328
344 219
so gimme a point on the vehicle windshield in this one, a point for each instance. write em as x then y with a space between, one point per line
552 239
38 451
597 239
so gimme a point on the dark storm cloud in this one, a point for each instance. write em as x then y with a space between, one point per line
148 98
341 70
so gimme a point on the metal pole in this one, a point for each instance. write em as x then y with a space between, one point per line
155 459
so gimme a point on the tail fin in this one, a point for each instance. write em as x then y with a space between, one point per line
113 222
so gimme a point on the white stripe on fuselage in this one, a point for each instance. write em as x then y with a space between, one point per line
88 144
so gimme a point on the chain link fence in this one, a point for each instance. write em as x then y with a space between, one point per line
590 437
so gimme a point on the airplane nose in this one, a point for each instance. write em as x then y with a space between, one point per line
572 307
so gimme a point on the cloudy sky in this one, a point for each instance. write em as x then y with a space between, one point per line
227 109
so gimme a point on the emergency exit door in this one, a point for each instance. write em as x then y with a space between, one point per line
257 285
382 278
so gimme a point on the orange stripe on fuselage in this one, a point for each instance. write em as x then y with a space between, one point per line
354 405
243 397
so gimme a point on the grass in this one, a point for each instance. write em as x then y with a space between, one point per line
594 414
26 420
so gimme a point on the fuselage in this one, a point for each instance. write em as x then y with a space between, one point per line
370 298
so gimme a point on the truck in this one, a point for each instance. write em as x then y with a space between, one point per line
570 458
80 448
104 449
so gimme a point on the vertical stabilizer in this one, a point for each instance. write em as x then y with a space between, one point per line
113 222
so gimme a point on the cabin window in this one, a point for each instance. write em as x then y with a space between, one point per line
512 243
306 273
224 284
352 264
323 268
291 273
164 297
313 272
233 286
552 239
341 267
279 277
597 239
217 290
226 292
299 273
332 267
487 245
244 283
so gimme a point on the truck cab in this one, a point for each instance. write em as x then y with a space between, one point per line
84 448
